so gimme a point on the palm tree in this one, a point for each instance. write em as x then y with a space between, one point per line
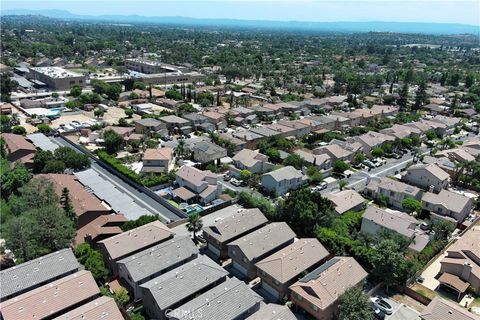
342 184
181 150
194 224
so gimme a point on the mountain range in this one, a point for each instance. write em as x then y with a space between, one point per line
346 27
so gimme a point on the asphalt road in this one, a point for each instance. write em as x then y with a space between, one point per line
142 199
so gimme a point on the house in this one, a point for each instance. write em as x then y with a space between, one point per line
231 228
456 154
19 149
282 130
346 200
53 299
264 131
371 140
322 161
196 119
351 146
255 246
130 242
283 180
35 273
143 108
124 132
249 137
449 122
180 285
149 125
100 228
448 204
441 309
317 293
335 152
251 160
238 143
158 160
301 129
392 191
193 182
463 260
216 118
147 264
375 220
427 177
443 163
174 122
341 123
400 131
283 268
272 311
86 205
103 306
205 152
232 299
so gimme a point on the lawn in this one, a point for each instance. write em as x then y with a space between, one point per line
424 291
173 203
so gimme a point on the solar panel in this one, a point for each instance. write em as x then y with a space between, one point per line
316 273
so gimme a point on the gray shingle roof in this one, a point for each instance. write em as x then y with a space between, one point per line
236 225
160 257
18 279
190 278
272 311
226 301
261 241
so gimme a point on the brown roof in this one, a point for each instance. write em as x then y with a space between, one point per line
136 239
325 284
15 142
397 221
103 308
193 175
183 193
82 201
123 131
101 226
441 309
158 154
289 262
453 281
346 200
51 298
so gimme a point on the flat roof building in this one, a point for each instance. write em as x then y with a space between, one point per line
57 78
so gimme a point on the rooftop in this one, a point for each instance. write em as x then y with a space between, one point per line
441 309
285 173
56 72
450 200
103 308
397 221
346 200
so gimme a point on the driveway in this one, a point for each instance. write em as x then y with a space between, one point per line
431 272
401 311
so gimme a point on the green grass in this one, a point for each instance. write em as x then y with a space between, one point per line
173 203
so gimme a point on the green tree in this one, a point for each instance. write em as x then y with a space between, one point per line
67 205
353 304
92 260
129 113
140 221
54 166
314 174
19 130
359 158
248 200
121 297
194 224
98 112
113 142
7 85
295 161
173 94
340 166
245 175
431 135
412 205
378 152
139 85
403 100
420 95
469 80
13 179
388 263
75 91
342 184
44 128
18 234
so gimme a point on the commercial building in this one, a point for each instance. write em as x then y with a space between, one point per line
57 78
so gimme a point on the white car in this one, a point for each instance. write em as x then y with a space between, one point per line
235 182
381 304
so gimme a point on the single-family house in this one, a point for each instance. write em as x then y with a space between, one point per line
19 149
448 204
442 309
393 191
222 232
272 311
195 183
173 122
246 251
205 152
283 180
371 140
317 293
149 125
335 152
251 160
347 200
322 161
147 264
158 160
427 177
104 306
283 268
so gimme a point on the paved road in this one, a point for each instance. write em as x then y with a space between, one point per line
142 199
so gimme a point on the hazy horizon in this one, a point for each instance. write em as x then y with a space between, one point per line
284 10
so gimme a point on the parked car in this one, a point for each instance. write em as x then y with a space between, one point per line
381 304
425 226
227 177
323 185
235 182
378 314
369 164
397 155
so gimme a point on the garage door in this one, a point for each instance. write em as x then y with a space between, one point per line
270 289
240 268
213 249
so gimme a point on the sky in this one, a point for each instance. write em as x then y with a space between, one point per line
442 11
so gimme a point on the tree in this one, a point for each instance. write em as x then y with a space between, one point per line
403 100
295 161
98 112
54 166
181 149
314 174
113 141
139 85
44 128
359 158
92 260
67 205
412 205
245 175
19 130
121 297
13 179
72 159
353 304
342 184
469 80
173 94
140 221
18 234
388 263
431 135
194 224
340 166
75 91
377 152
129 113
420 96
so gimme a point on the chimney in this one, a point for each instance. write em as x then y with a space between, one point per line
431 188
467 269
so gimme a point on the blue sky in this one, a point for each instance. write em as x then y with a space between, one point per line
450 11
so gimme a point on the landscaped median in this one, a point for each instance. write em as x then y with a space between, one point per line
147 180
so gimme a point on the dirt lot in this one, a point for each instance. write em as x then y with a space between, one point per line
113 114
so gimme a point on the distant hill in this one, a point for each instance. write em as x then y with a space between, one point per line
373 26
